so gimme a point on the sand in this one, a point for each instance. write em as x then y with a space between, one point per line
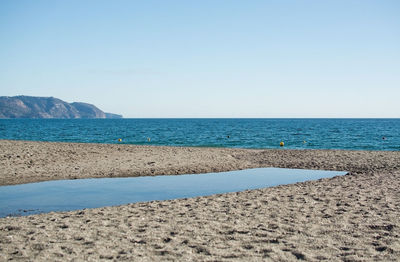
355 217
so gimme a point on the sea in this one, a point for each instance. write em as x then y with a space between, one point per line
348 134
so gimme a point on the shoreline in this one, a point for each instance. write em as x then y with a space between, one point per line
350 217
32 161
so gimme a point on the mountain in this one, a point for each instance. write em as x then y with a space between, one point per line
48 107
111 115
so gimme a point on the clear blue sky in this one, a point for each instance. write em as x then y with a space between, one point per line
206 58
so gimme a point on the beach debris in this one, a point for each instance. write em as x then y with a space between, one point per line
281 143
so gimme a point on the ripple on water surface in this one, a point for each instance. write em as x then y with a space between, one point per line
357 134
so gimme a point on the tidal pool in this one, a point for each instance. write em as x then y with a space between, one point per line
66 195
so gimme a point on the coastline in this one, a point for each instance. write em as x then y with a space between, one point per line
31 161
352 217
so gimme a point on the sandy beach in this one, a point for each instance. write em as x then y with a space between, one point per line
355 217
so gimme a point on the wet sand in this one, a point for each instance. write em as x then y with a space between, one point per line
355 217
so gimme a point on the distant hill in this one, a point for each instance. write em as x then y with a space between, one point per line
48 107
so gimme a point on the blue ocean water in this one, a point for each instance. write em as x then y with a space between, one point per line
355 134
